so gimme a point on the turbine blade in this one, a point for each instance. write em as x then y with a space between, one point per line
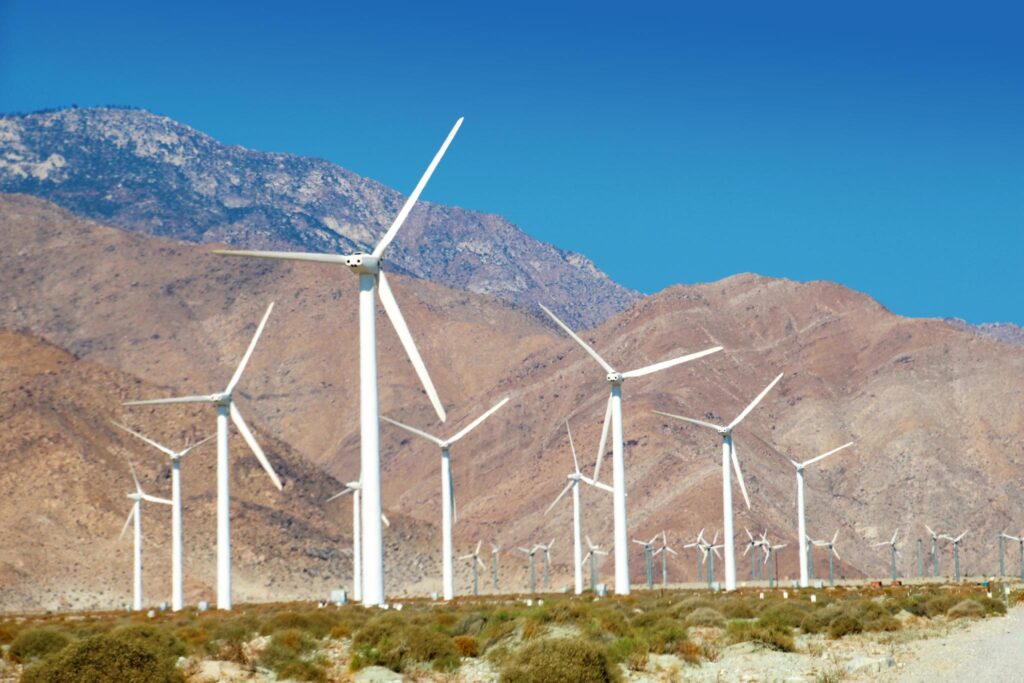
248 352
384 518
597 484
477 551
473 425
387 298
195 445
690 420
560 496
739 474
586 347
603 444
152 443
836 554
179 399
284 255
413 430
825 455
131 514
339 494
138 486
753 404
154 499
640 372
246 433
575 461
411 200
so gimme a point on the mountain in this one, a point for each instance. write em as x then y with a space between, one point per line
1004 332
933 409
146 173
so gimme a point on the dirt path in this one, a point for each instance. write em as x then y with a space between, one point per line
989 650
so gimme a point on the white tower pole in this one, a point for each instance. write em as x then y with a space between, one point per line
446 526
619 506
577 546
137 583
177 571
727 530
357 551
801 527
369 432
223 511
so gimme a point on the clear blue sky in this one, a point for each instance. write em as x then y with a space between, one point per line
880 145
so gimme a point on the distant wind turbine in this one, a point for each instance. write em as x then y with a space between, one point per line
355 488
136 514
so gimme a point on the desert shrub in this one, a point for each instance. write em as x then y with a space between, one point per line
37 643
467 646
397 646
560 659
7 633
163 642
788 614
316 623
939 604
689 652
303 670
817 621
626 648
966 609
532 628
496 631
691 603
992 606
705 616
287 648
844 624
737 609
101 659
340 631
775 636
382 627
664 635
613 622
914 604
873 616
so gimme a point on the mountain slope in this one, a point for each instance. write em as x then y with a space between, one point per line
147 173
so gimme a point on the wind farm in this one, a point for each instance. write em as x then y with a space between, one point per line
614 313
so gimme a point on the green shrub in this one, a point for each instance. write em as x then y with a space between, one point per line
560 659
303 670
37 643
691 603
966 609
316 623
737 609
914 604
664 635
389 642
817 621
775 636
992 605
939 604
787 615
7 633
843 625
625 648
101 659
163 642
705 616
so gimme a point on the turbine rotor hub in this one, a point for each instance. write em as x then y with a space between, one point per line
615 377
363 264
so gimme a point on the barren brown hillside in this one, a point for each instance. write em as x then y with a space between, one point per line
934 409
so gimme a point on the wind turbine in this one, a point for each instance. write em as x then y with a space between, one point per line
177 553
475 556
495 550
935 551
533 573
771 552
355 487
226 406
136 513
956 552
1020 540
447 490
575 477
752 544
664 550
729 453
371 280
801 510
547 562
832 554
648 559
709 551
592 552
613 415
892 552
696 543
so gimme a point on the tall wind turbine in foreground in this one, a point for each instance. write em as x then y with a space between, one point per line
447 490
729 453
801 510
613 414
354 487
371 280
177 553
226 406
574 483
136 513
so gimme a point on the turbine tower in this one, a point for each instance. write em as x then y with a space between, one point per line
613 414
801 510
729 453
648 559
575 478
935 551
177 543
592 552
136 513
225 406
495 550
532 552
696 543
957 542
372 280
355 487
448 513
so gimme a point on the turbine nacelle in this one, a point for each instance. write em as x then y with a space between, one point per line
363 264
614 377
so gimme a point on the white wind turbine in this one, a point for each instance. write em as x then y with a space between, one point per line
833 555
495 552
475 556
354 487
664 549
801 512
225 406
892 552
177 542
136 513
935 550
613 414
648 547
957 542
592 552
547 561
729 453
371 280
447 490
574 483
